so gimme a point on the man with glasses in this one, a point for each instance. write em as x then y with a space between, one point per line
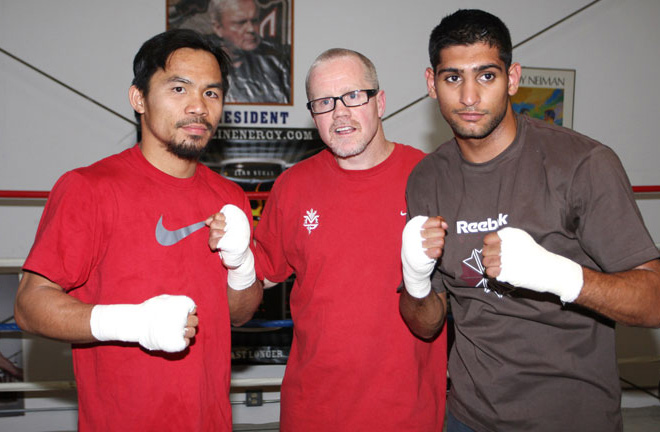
335 220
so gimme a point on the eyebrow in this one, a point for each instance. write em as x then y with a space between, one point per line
178 79
477 69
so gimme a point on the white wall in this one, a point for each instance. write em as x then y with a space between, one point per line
46 130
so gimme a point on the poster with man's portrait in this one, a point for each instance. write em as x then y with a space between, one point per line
257 35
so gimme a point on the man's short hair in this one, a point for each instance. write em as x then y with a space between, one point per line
217 7
468 27
155 52
334 53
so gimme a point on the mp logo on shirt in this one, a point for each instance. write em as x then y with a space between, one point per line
311 220
465 227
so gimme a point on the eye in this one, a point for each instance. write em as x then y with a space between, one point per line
353 95
324 102
452 78
178 90
488 76
212 94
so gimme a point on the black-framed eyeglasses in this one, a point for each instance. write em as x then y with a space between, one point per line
351 99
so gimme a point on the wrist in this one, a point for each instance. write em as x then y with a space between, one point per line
120 322
416 265
243 276
526 264
570 279
156 324
417 288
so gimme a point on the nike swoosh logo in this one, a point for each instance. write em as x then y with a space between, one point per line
168 238
403 213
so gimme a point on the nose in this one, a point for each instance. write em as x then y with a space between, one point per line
469 93
340 109
196 105
252 26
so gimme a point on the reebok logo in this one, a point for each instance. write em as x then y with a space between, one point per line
465 227
166 237
473 274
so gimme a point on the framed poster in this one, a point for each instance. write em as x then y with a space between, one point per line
257 35
546 94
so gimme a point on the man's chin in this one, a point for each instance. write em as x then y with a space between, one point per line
249 46
190 152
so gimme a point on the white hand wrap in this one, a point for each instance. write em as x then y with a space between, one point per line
157 324
417 266
235 248
526 264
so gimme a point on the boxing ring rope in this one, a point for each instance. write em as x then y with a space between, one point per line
28 194
253 196
39 386
236 383
240 383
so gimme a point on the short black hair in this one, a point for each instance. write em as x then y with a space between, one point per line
155 52
467 27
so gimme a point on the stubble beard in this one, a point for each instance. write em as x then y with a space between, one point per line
188 149
193 147
348 151
351 146
465 133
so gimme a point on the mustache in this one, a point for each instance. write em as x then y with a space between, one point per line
196 120
344 124
470 110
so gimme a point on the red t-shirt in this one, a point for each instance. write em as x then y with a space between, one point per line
354 365
103 237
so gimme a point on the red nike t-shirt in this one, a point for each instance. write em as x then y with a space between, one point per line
121 231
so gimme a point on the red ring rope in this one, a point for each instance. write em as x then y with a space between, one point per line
44 194
251 195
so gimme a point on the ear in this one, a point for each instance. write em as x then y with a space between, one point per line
136 98
515 71
217 28
380 102
430 83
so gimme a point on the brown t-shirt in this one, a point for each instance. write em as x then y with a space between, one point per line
522 361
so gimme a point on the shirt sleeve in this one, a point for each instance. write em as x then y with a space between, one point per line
611 229
67 244
270 255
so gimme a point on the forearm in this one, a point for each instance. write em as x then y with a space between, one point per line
424 316
243 303
631 297
45 309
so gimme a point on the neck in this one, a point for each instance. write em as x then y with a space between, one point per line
482 150
167 162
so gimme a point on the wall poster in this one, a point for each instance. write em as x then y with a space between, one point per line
546 94
257 35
